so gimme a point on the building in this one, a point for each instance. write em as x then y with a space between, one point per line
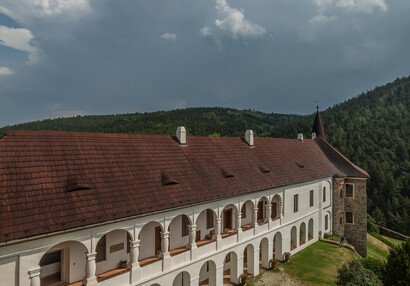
120 209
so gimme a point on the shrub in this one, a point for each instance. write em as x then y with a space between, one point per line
327 235
355 274
373 264
397 268
371 224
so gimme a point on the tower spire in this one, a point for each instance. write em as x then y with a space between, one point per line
318 126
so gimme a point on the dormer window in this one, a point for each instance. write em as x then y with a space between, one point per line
226 173
77 184
167 180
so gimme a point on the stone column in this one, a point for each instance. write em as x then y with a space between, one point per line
90 268
192 244
255 221
34 275
268 214
219 276
134 264
238 223
218 234
166 258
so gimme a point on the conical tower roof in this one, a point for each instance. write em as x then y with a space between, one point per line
318 126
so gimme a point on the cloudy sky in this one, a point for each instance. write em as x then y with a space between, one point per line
75 57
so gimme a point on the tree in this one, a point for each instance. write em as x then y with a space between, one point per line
354 274
397 268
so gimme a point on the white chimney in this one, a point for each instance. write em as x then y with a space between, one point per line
313 135
300 137
181 135
249 137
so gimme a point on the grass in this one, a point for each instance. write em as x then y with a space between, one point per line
393 240
318 264
376 248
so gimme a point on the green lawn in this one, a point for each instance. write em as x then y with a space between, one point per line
376 248
393 240
318 264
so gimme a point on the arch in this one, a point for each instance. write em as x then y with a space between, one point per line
207 274
275 209
179 232
248 259
310 229
302 233
231 268
205 225
247 213
264 253
155 284
150 240
277 246
109 260
293 238
64 262
262 206
228 216
182 279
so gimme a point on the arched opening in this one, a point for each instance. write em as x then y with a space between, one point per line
150 243
113 252
247 213
179 234
182 279
264 253
310 229
207 274
63 263
231 274
293 238
156 284
205 227
262 206
275 211
228 220
248 260
302 233
277 246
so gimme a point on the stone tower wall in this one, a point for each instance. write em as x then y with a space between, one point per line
355 233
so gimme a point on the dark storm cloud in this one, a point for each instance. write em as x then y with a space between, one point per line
276 56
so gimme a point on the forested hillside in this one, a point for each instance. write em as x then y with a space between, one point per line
211 121
373 131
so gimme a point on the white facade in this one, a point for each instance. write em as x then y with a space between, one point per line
161 252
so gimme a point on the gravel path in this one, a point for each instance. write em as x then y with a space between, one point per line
276 279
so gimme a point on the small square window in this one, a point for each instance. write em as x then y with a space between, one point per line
349 191
349 217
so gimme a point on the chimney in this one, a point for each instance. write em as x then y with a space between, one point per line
300 137
249 137
181 135
313 135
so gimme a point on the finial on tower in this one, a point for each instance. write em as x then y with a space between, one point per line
317 125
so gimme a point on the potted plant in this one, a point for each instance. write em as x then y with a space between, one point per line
243 278
273 263
287 256
309 236
123 264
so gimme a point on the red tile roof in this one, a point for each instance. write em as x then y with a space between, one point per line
52 181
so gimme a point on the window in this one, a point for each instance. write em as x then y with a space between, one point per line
311 198
326 222
243 211
324 194
51 258
209 219
101 246
295 203
341 193
185 225
128 242
274 210
341 219
349 191
349 217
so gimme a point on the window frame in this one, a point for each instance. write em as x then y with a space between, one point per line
311 198
295 203
345 191
347 217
